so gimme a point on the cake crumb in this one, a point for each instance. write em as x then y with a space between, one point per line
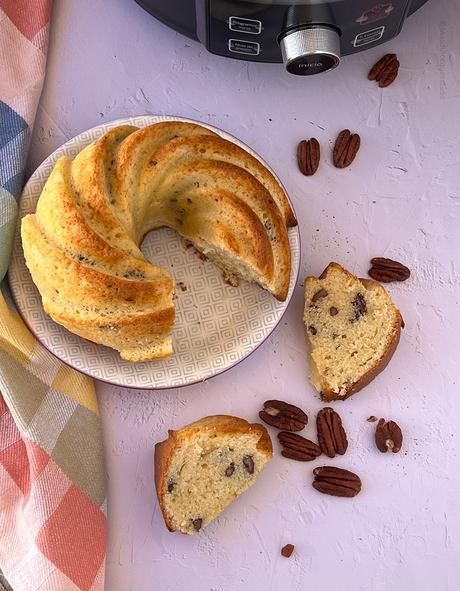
230 279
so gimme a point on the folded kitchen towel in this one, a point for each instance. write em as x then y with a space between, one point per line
52 484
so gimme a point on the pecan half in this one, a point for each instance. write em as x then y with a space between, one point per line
297 447
345 149
385 70
331 434
386 270
308 155
336 481
388 436
283 415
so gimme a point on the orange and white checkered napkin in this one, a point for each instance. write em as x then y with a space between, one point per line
52 481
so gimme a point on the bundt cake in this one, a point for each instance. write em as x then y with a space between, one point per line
201 468
82 244
352 329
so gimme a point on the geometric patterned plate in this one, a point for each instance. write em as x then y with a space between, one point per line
216 326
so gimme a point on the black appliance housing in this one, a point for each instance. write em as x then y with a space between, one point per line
309 36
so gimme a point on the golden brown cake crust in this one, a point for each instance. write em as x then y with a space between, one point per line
220 425
95 209
328 395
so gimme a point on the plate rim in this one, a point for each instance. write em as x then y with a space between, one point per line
129 120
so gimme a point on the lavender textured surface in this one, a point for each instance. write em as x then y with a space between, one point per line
400 198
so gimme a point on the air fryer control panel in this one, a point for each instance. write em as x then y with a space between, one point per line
250 30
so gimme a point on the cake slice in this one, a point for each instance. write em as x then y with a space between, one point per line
203 467
352 329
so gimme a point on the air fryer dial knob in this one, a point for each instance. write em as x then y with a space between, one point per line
310 50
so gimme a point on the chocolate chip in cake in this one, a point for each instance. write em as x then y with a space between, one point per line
248 464
359 306
197 523
230 469
322 293
171 485
312 329
333 311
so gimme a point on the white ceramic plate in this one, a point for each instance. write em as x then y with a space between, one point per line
216 326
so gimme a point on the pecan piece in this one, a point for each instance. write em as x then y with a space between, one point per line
230 469
388 436
345 149
336 481
308 155
385 70
248 463
197 523
331 434
359 307
297 447
321 293
287 550
283 415
386 270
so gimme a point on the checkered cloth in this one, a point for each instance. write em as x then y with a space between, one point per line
52 493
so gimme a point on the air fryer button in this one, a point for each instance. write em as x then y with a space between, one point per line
245 25
368 36
245 47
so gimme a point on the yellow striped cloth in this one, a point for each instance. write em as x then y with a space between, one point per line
52 480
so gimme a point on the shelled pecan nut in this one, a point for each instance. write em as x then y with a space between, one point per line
336 481
386 270
388 436
297 447
385 70
345 148
388 77
332 438
308 156
283 416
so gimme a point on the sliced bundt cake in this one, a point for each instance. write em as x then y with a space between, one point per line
201 468
82 244
352 329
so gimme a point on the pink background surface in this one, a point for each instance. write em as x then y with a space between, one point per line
400 198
